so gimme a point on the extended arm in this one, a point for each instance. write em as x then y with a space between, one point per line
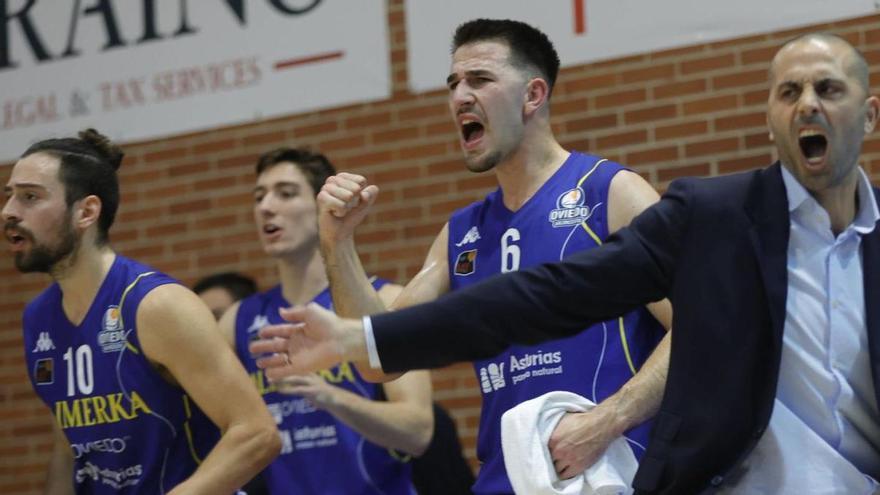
403 422
59 478
179 333
634 267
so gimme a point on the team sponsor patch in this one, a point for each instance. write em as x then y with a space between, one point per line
44 371
111 338
466 263
570 209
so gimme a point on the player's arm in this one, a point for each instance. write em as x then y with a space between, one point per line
59 478
227 324
581 438
404 422
178 333
629 195
343 203
323 339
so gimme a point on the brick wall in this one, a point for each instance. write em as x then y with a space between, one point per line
186 204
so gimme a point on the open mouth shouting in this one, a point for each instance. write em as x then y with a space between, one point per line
814 146
472 132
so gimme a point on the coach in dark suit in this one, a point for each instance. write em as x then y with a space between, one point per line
774 276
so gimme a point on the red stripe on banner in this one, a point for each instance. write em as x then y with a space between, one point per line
293 62
580 18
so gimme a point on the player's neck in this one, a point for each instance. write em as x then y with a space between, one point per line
302 277
522 173
83 277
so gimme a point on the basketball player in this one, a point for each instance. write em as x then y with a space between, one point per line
551 203
120 353
336 436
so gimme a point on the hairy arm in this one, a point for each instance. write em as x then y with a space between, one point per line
59 476
178 333
581 438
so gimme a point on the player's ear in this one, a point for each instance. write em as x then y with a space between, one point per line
536 95
87 211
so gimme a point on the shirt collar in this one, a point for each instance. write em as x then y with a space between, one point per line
868 214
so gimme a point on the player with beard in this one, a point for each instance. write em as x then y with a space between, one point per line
120 353
551 202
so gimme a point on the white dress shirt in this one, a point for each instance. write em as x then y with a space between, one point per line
824 433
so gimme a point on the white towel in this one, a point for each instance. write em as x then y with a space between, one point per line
525 431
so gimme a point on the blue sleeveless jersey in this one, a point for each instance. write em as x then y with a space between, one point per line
567 214
130 430
320 454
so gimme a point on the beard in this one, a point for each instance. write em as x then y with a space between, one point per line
485 164
42 258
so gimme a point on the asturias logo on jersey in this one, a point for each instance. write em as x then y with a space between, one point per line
111 338
570 209
522 367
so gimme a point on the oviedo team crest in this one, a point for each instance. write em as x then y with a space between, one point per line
111 338
570 209
466 262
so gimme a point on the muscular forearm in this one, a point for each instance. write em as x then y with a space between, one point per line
352 293
240 454
402 426
639 399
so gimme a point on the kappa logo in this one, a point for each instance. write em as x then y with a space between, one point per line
111 338
492 377
259 322
466 263
472 236
570 209
44 343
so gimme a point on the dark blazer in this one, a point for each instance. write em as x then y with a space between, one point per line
717 248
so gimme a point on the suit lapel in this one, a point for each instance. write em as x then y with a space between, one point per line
767 207
871 275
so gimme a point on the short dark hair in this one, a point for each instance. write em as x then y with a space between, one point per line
529 47
88 167
239 286
315 166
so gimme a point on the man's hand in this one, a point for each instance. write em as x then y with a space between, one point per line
315 339
579 440
343 203
312 387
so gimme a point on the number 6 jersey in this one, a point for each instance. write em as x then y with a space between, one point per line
567 214
130 430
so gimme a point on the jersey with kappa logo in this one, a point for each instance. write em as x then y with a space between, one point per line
567 214
320 454
130 431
